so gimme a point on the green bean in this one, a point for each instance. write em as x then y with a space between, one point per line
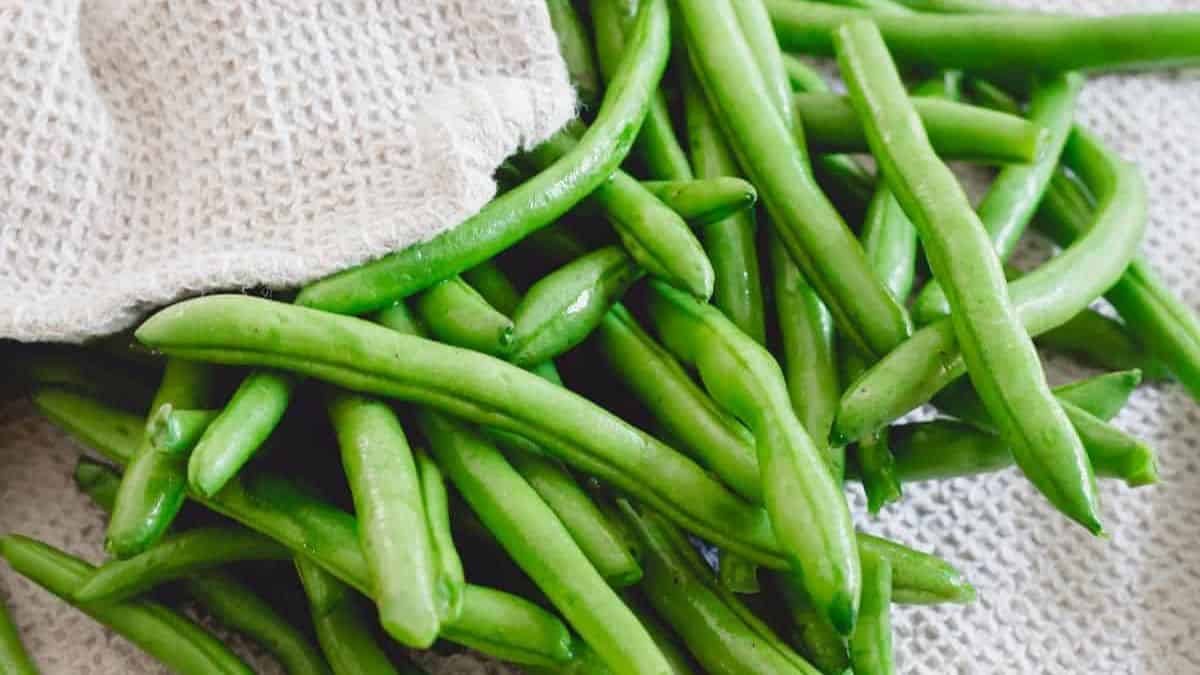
950 6
1001 44
153 488
493 284
167 636
238 432
738 574
655 236
1043 299
918 578
1103 342
664 636
812 634
534 204
1002 361
714 632
174 557
494 622
344 635
576 50
1010 202
1102 396
811 229
13 657
656 144
1167 327
176 431
656 379
529 531
730 243
956 130
944 449
806 508
456 314
393 527
707 200
871 642
450 577
563 308
79 369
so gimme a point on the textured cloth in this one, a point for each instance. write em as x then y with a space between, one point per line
1052 600
152 149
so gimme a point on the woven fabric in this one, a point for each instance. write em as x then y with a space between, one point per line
153 149
1052 600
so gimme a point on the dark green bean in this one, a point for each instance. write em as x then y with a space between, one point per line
167 636
1010 202
174 557
176 431
14 660
576 51
529 531
240 430
706 200
738 574
456 314
811 633
563 308
1002 44
393 528
79 369
871 642
508 218
807 510
1103 342
664 636
450 577
811 229
152 490
956 130
950 6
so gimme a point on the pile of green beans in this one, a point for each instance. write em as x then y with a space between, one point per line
663 330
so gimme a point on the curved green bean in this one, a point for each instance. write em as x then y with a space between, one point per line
540 545
1014 195
451 579
563 308
1001 44
871 642
1043 299
956 130
811 229
393 527
13 657
532 205
706 200
807 510
174 557
167 636
576 50
152 490
1103 342
455 313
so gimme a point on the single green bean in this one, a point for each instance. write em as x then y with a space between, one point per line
540 545
176 431
956 130
174 557
534 204
344 635
1043 299
950 6
494 285
664 636
152 490
738 574
807 510
14 660
576 50
167 636
393 527
1007 44
811 229
871 642
491 619
1010 202
563 308
1103 342
656 144
451 579
811 633
455 313
918 578
240 430
706 200
1102 396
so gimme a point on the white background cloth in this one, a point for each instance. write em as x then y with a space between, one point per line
1051 599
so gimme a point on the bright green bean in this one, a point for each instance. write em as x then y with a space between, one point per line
174 557
806 506
176 431
450 577
493 284
512 628
1010 202
956 130
811 229
534 204
14 660
1103 342
1102 396
344 635
530 533
871 642
1003 44
918 578
167 636
456 314
240 430
1043 299
576 50
563 308
706 200
812 634
152 490
393 528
